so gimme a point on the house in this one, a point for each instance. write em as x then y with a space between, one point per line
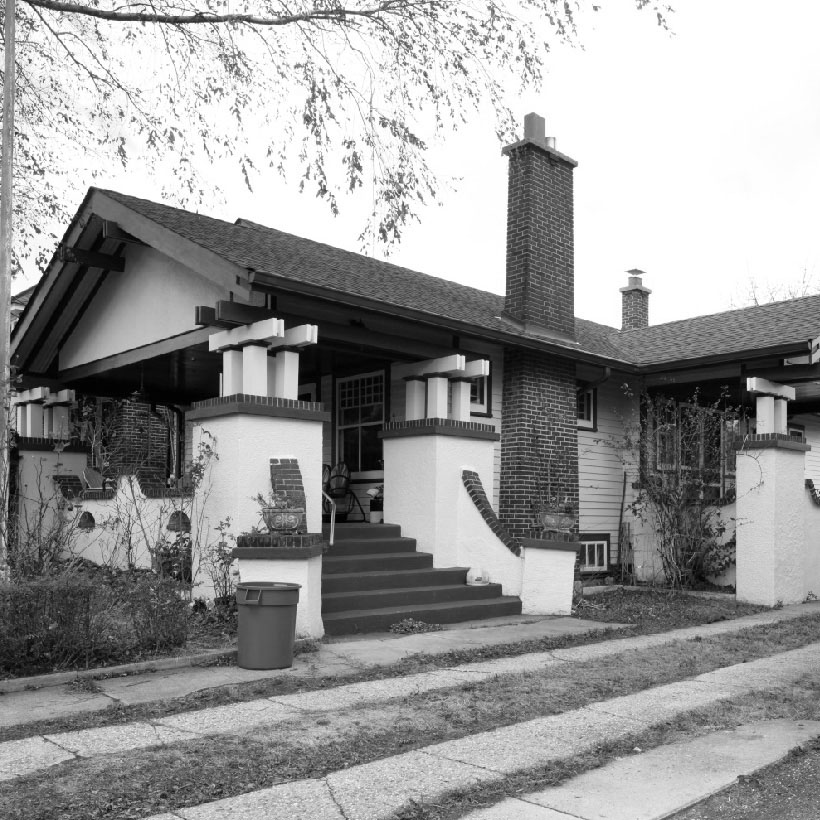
471 408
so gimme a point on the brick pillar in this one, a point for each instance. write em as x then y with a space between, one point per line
285 476
635 302
538 431
540 243
139 444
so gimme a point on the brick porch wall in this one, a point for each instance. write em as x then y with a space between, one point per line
538 428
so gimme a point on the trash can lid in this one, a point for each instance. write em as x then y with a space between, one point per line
263 585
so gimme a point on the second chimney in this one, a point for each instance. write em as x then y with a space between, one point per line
635 302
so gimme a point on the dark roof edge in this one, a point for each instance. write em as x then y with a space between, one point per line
788 349
265 279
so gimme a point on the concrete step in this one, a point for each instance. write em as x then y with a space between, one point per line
332 564
372 546
383 598
358 531
392 579
380 620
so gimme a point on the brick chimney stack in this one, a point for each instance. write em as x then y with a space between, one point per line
635 304
540 244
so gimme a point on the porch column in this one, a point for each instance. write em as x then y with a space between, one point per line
231 372
56 416
437 396
415 396
252 438
772 550
461 399
286 378
255 369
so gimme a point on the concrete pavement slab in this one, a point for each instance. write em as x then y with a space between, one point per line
654 784
234 717
510 809
178 683
19 757
114 739
42 704
302 800
379 789
536 742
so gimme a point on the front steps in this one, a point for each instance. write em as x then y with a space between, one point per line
373 577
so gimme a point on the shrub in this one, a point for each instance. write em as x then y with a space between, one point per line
55 623
158 613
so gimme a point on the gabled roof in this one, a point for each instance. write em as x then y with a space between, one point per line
295 261
275 258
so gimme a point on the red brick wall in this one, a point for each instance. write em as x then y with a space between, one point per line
635 309
285 476
538 433
138 443
540 244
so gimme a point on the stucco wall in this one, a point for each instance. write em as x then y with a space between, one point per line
152 299
425 494
244 445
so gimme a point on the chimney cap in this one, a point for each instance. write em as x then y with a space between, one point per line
535 127
636 272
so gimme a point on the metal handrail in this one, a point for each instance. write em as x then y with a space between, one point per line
332 517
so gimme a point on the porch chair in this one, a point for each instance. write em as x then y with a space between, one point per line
338 488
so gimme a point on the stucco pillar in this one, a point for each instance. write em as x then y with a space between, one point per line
415 397
286 385
34 420
245 440
781 416
771 543
764 414
437 396
461 399
255 370
231 372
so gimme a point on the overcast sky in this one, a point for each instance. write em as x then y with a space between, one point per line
698 163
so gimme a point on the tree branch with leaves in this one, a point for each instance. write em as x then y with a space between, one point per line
343 97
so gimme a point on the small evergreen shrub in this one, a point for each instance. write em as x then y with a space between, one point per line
158 613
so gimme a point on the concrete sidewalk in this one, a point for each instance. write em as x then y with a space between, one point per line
36 752
20 705
380 789
21 702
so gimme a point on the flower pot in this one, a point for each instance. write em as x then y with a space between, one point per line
554 521
278 519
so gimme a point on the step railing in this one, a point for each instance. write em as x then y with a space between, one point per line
332 517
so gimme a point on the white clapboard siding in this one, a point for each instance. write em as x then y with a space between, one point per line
811 425
601 464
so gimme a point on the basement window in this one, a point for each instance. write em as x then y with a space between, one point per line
594 555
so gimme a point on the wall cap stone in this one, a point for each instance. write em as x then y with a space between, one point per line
546 543
242 403
439 427
765 441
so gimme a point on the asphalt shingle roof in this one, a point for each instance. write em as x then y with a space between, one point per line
263 249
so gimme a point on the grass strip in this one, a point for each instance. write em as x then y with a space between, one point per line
148 781
648 612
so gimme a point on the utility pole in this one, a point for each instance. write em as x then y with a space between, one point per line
6 171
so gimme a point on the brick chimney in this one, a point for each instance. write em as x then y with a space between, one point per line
635 304
540 245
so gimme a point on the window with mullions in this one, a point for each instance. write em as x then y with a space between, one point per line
359 418
695 439
586 408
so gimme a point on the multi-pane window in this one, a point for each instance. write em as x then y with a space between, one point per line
360 417
594 555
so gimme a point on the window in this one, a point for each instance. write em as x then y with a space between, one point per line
480 396
594 555
587 410
360 417
687 437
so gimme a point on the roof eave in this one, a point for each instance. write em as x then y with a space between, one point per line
265 280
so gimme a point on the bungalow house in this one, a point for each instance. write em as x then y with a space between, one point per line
275 355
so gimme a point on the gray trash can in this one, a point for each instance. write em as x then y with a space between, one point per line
267 624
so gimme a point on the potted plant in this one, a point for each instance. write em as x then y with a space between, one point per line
376 504
554 512
279 512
